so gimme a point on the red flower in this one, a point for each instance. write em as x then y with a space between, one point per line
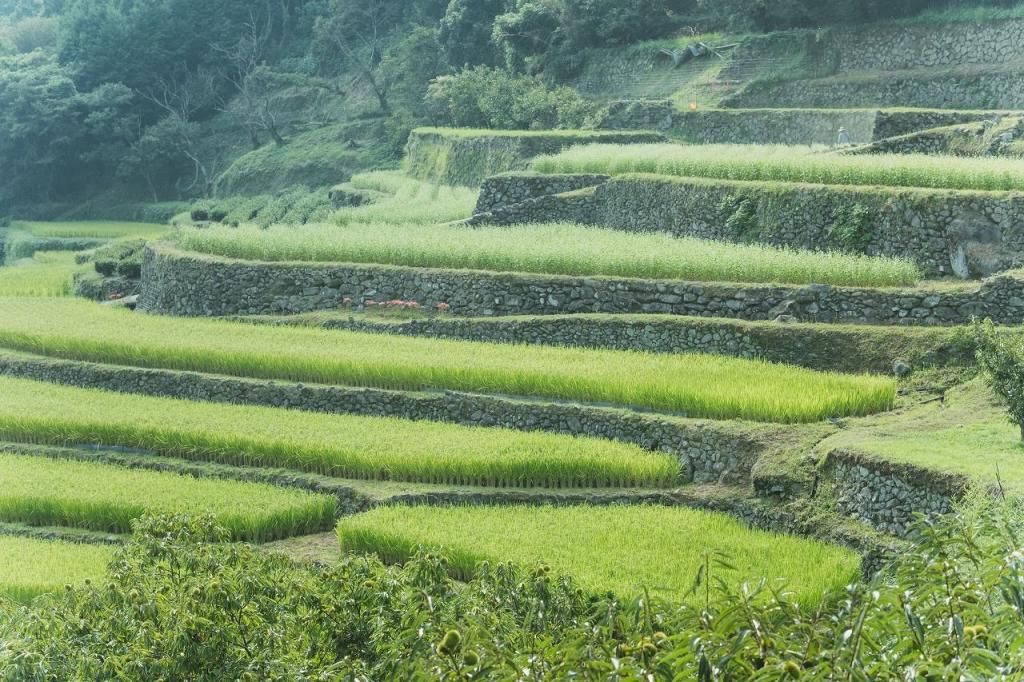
115 297
443 307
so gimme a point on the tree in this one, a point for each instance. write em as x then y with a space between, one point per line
466 31
1001 358
360 32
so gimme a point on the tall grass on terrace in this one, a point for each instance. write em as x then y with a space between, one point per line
695 385
47 275
29 568
371 448
788 164
560 249
410 201
102 229
621 549
45 492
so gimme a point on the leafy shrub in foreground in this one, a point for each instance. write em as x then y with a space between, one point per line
179 607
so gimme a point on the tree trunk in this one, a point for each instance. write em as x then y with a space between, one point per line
278 140
254 139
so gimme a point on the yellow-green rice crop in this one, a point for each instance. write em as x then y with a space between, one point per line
691 384
47 275
103 229
560 249
47 492
622 549
789 164
376 448
29 567
410 201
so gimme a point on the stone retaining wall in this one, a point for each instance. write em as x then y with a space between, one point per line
179 283
508 189
961 89
896 47
888 495
946 232
837 348
709 452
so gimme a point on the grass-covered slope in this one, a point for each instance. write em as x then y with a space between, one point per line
46 492
373 448
30 567
696 385
789 164
551 249
622 549
99 229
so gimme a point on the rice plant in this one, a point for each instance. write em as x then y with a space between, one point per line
692 384
621 549
102 229
560 249
789 164
100 497
409 201
369 448
46 275
29 568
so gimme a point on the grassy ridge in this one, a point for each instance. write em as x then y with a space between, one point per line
45 492
372 448
29 568
696 385
47 275
411 201
101 229
789 164
560 249
622 549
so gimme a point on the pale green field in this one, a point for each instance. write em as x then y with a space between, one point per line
29 568
369 448
410 202
45 492
694 384
102 229
621 549
46 275
789 164
559 249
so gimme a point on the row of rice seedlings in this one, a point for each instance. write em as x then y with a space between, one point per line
46 275
100 497
101 229
29 568
789 164
692 384
370 448
410 201
560 249
621 549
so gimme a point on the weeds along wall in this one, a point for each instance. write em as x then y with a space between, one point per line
464 157
966 233
178 283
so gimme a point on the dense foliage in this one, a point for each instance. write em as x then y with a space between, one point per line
1001 358
178 607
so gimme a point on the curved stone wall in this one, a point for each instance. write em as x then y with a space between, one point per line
709 451
180 283
889 495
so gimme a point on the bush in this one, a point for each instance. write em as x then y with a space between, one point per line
490 98
1001 358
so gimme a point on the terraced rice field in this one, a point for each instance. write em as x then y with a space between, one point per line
45 492
558 249
373 448
29 568
46 275
622 549
694 385
408 201
779 163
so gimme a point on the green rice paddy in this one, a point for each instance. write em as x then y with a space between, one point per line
29 568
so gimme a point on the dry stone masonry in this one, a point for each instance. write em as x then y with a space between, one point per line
180 283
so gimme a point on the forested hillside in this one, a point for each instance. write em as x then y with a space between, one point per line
105 103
